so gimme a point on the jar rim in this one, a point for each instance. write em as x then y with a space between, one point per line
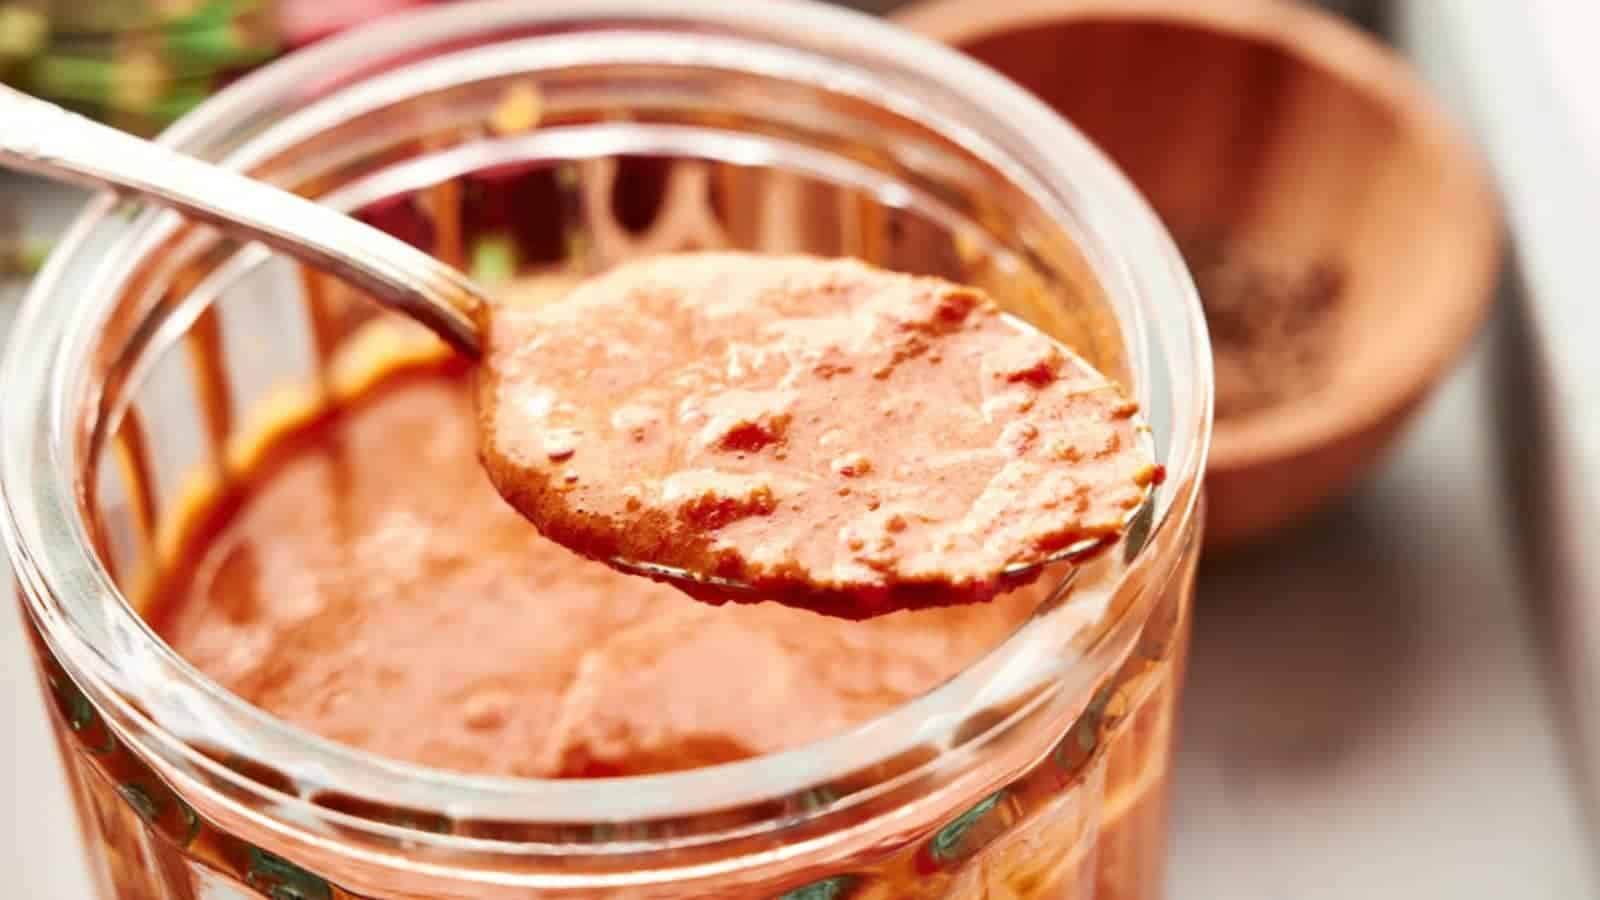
37 481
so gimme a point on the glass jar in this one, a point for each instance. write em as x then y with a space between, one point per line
148 346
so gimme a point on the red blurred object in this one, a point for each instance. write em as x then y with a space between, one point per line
304 21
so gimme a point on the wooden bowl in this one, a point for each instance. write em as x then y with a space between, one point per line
1296 135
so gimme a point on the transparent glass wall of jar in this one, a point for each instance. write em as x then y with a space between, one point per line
633 127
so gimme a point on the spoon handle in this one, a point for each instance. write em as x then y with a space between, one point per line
42 138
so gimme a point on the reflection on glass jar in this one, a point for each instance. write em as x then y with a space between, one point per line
1040 771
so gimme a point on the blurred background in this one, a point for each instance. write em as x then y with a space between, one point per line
1391 698
142 63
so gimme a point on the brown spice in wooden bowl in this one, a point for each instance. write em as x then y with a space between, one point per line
1272 322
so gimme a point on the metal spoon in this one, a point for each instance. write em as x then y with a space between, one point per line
42 138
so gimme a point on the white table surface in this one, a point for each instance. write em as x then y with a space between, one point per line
1526 75
40 853
1371 711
